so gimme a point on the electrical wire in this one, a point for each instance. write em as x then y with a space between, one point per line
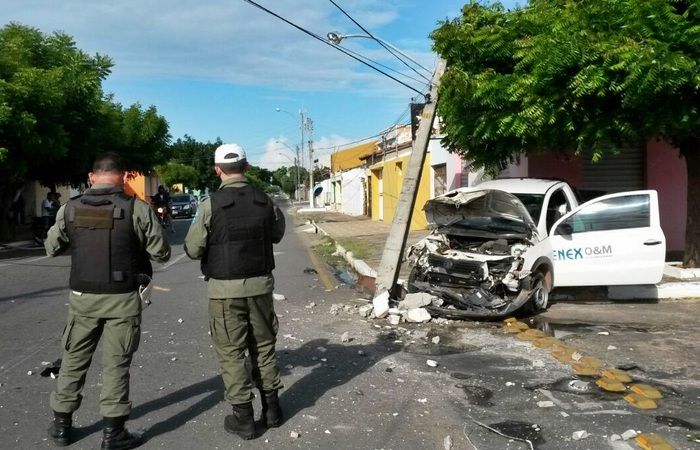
325 41
390 50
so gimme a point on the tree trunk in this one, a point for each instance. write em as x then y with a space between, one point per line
690 149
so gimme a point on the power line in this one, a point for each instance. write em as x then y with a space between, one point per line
340 49
390 50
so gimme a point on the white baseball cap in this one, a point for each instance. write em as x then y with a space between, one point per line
229 153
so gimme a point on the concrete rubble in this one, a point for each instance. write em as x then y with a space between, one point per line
381 305
418 315
447 443
416 300
578 435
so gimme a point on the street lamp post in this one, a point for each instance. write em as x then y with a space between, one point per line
305 122
336 38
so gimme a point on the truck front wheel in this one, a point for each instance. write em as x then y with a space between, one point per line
539 297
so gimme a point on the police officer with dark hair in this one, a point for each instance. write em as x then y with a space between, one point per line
112 237
233 233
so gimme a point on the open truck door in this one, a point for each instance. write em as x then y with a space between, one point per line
615 239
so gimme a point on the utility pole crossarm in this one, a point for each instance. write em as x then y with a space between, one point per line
396 242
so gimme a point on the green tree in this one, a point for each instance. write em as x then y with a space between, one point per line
173 173
286 178
54 116
199 155
562 75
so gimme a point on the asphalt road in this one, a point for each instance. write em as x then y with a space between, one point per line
375 391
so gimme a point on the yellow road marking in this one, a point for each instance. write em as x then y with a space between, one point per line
322 274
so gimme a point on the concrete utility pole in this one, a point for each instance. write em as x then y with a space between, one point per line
310 131
396 242
296 169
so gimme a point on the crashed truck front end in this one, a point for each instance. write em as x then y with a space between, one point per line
474 260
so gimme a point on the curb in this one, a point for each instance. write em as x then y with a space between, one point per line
367 275
673 290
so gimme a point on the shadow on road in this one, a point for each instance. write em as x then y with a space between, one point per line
35 294
343 363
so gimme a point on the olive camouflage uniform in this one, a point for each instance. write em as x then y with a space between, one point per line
115 317
241 314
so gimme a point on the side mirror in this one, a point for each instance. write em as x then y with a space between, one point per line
564 229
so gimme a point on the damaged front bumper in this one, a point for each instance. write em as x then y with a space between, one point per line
474 303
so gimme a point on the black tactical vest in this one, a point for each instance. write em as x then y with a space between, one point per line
107 256
239 244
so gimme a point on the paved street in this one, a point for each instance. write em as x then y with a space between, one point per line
375 391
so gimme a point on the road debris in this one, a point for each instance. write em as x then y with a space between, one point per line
345 337
530 431
447 443
327 431
510 383
612 347
604 333
418 315
278 297
431 363
180 320
416 300
435 340
652 441
629 434
578 435
310 270
545 404
310 305
51 369
394 319
30 373
675 422
365 310
294 435
335 309
380 304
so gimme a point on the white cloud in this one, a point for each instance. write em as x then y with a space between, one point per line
219 40
278 152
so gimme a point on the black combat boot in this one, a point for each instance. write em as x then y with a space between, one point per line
271 411
116 437
60 429
241 422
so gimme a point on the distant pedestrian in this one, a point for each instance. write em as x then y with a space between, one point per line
233 233
49 209
112 237
17 208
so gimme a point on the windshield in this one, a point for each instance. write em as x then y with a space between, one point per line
181 199
533 204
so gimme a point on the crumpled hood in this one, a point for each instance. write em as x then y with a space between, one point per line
481 212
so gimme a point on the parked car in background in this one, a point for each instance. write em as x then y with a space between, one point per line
505 244
183 205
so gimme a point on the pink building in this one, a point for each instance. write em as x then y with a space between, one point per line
659 166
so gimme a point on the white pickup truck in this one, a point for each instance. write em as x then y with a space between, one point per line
506 243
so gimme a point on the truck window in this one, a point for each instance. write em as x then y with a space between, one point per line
557 207
533 204
632 211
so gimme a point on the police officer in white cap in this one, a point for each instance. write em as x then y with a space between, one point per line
233 234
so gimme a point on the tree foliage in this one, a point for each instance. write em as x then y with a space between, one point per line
286 178
199 155
564 75
54 116
174 173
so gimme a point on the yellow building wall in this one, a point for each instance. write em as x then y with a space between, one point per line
136 185
350 158
393 174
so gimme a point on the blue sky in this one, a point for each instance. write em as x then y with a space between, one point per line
220 68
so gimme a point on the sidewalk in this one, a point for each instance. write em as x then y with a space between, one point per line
373 234
343 228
